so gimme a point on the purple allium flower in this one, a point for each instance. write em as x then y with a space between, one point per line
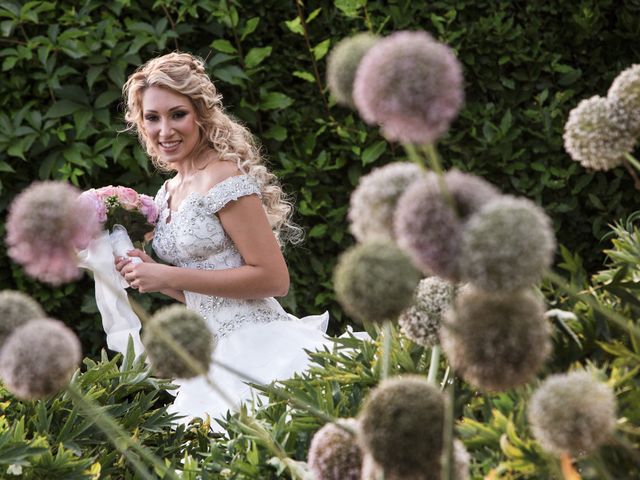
374 201
38 358
334 453
189 330
401 425
427 226
624 96
46 222
16 309
375 281
411 85
343 62
595 136
507 245
572 413
496 342
421 321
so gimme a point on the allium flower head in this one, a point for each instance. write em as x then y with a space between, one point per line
16 309
411 85
334 453
461 458
421 321
45 223
343 62
427 226
189 330
496 342
401 425
572 413
507 245
375 281
374 201
38 358
624 96
595 136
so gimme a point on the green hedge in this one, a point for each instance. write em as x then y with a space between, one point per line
526 65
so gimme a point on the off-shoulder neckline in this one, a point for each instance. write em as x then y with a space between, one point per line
166 196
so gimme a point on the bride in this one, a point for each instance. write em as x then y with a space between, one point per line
222 218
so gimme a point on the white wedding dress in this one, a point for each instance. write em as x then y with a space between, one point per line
256 337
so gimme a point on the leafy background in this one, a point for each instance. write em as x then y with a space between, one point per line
526 65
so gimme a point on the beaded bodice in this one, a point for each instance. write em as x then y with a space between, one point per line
193 237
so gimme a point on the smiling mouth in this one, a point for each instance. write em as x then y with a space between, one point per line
169 145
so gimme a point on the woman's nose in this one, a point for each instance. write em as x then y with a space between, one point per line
165 128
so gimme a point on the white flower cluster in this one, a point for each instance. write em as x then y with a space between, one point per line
601 131
421 322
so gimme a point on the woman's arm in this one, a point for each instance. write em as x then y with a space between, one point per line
264 274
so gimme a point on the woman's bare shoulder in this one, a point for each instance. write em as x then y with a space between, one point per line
218 172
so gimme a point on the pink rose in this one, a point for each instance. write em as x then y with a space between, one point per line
128 198
105 192
93 201
148 208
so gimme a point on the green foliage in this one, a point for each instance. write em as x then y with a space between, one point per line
56 438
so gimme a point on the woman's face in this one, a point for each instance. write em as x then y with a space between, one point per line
169 122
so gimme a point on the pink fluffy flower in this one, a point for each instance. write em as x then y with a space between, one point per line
94 201
411 85
149 208
46 222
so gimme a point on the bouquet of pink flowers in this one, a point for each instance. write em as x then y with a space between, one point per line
137 213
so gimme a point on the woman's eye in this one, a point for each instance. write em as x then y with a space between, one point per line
179 114
150 118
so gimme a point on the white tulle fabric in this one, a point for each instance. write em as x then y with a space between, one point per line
118 319
256 337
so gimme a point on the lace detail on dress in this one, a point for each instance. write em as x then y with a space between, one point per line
194 238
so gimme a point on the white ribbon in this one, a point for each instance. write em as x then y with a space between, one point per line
118 318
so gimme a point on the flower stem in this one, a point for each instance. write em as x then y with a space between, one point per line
118 436
434 160
386 350
612 315
414 156
630 162
447 434
433 365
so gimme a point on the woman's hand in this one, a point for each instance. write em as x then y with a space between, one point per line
147 276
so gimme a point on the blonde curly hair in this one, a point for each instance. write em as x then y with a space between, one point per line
185 74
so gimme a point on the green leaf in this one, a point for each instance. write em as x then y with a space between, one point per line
320 50
62 108
92 74
596 202
349 8
275 101
106 98
313 15
6 28
250 27
373 152
295 26
256 56
304 75
223 46
277 132
5 167
318 231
